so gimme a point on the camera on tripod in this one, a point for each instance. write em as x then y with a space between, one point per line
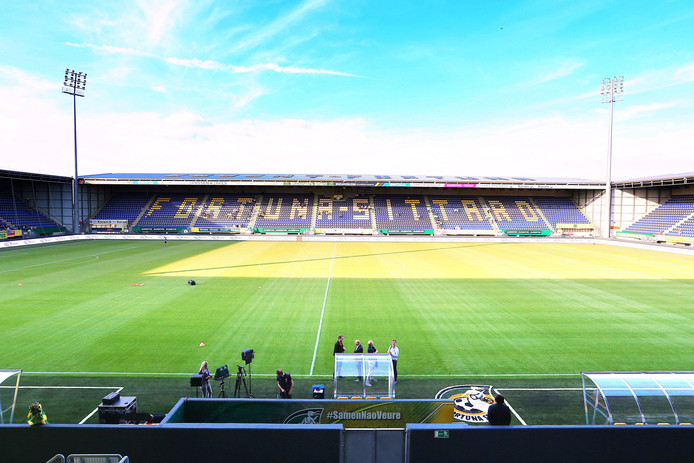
220 375
247 356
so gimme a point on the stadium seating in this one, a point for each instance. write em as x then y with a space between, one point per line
226 211
173 210
285 211
515 213
359 212
350 213
18 214
123 206
459 213
666 216
560 210
402 212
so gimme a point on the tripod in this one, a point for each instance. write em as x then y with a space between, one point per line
223 392
241 379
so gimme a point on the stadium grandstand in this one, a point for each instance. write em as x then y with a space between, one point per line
657 209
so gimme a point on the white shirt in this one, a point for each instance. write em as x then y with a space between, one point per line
393 351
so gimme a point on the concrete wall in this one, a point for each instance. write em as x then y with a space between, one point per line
192 443
566 444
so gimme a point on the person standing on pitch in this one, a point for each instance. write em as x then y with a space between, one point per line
394 352
371 350
205 373
498 413
339 349
358 349
285 383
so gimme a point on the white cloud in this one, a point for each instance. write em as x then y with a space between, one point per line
279 25
159 15
111 50
38 137
564 70
217 66
635 111
209 65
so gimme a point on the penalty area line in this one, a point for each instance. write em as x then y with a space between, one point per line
513 410
322 313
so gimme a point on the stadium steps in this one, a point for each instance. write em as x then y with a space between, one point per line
144 209
199 210
41 211
314 209
372 212
254 214
489 214
539 212
430 211
584 214
98 209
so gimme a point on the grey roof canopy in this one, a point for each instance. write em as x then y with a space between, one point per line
639 397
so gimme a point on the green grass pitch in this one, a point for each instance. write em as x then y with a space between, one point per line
124 308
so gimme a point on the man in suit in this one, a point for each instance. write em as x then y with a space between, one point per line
499 413
339 349
358 349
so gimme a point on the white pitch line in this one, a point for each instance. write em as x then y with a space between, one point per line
60 387
516 413
130 373
322 313
96 257
513 410
95 410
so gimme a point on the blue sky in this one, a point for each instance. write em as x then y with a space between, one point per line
351 87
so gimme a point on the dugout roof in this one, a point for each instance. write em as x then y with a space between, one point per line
424 181
640 397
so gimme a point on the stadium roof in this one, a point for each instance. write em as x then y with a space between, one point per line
659 180
437 181
16 175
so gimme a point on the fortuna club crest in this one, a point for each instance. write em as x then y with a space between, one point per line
470 402
305 416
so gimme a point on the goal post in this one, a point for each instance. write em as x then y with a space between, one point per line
11 396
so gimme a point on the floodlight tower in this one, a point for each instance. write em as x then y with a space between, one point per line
612 90
75 83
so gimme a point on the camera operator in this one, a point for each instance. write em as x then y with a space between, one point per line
285 383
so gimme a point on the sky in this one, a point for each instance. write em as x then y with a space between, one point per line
495 88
